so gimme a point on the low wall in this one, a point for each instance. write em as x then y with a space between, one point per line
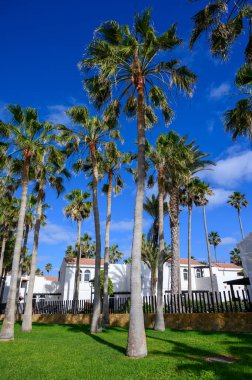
237 322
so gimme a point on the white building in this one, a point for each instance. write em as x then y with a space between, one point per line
62 288
120 277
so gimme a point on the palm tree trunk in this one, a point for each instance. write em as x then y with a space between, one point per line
96 317
174 225
240 222
27 317
154 277
136 346
189 252
159 320
77 271
7 332
2 257
22 257
215 253
105 319
208 249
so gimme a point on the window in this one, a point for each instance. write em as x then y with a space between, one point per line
199 273
80 275
185 274
87 275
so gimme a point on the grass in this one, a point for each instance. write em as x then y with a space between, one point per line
69 352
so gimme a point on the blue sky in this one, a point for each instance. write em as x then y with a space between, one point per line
41 44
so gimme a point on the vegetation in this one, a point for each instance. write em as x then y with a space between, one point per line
181 354
214 240
238 200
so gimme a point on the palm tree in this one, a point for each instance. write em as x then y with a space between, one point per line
189 196
78 209
235 257
182 161
238 200
112 162
131 58
48 267
87 246
150 258
215 240
157 157
238 120
91 134
224 22
114 254
39 272
202 201
50 171
25 140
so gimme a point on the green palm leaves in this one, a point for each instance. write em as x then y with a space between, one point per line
120 58
238 200
78 208
214 239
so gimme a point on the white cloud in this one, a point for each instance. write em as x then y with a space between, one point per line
126 225
57 114
218 92
233 170
219 198
228 240
56 234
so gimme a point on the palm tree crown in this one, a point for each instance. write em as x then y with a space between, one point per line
237 200
78 208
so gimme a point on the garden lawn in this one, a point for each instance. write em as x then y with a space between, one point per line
70 352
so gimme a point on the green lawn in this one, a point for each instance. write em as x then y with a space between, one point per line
69 352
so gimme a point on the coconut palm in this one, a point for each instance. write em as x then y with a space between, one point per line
48 268
235 257
136 59
215 240
91 134
203 195
78 209
114 254
238 200
182 161
189 196
25 142
112 162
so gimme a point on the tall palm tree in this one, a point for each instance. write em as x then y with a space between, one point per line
25 142
88 138
136 59
182 161
50 171
238 200
215 240
189 196
202 201
157 157
48 267
78 209
112 162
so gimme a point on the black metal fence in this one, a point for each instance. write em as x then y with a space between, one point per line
201 302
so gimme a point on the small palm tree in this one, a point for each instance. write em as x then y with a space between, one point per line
39 272
48 268
114 254
25 143
238 200
202 200
137 60
215 240
78 209
189 196
235 257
